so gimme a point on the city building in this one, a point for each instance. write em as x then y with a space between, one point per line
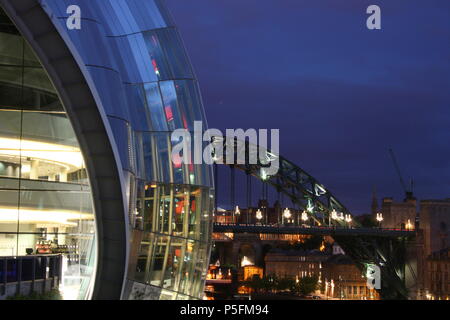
249 272
437 280
399 215
431 221
431 237
343 280
433 218
294 264
88 188
219 273
339 277
435 222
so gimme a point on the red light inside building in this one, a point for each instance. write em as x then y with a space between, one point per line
169 113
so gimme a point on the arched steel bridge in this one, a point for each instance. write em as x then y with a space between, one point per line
291 180
384 247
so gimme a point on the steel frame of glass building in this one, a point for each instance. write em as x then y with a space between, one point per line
122 84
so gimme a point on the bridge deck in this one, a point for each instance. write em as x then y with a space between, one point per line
280 229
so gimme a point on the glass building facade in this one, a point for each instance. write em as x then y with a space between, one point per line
129 222
45 200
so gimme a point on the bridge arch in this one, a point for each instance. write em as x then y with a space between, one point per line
385 248
299 186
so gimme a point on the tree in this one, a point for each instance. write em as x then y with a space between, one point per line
284 284
313 242
367 221
307 285
255 283
269 283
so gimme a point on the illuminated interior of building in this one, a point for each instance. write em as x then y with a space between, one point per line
45 199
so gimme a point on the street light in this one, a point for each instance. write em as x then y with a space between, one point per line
264 175
237 212
348 219
304 216
286 214
409 225
259 215
334 214
379 218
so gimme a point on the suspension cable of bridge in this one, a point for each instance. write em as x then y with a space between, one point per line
280 205
249 195
216 186
232 192
265 201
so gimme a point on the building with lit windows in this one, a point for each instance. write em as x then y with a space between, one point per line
399 215
342 279
437 281
90 200
431 222
295 264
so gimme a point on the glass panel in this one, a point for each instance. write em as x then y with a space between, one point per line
167 55
156 261
12 266
12 49
45 201
171 219
173 260
155 106
8 243
30 58
9 217
172 112
189 101
188 266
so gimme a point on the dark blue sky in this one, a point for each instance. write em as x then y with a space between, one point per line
340 93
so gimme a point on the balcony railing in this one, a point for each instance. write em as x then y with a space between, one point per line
31 268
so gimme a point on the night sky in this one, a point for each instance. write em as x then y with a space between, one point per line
340 94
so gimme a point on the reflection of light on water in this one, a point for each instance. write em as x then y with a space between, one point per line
246 262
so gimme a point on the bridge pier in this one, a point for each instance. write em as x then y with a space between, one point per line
248 245
235 254
415 268
389 254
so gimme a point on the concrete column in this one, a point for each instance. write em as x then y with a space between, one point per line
9 170
17 171
34 175
63 175
415 264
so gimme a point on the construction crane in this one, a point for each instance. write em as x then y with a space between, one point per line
408 191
